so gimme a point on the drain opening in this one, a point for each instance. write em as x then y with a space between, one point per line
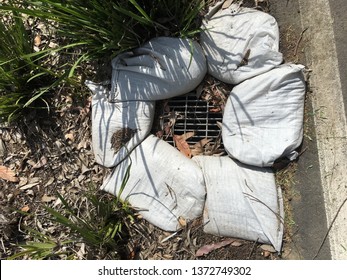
190 116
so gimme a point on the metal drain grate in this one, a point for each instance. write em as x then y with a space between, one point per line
195 115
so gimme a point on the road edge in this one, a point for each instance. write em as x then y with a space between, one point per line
329 118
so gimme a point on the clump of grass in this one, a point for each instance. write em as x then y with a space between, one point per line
103 229
285 178
107 27
95 29
102 224
43 247
23 79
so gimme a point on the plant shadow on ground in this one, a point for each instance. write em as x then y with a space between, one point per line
52 153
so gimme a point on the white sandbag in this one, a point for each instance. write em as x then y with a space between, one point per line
240 43
263 117
117 128
242 201
164 185
162 68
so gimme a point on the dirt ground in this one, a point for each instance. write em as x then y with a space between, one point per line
51 152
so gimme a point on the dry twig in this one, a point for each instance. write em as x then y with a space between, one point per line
329 229
299 40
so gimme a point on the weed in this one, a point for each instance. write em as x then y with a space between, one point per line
285 178
45 247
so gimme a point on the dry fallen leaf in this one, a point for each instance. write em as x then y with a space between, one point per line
227 4
40 163
182 221
188 135
266 254
69 136
81 251
7 174
26 209
49 182
268 248
237 243
83 144
34 180
198 148
37 40
22 181
182 145
215 109
28 186
202 142
206 249
47 198
245 58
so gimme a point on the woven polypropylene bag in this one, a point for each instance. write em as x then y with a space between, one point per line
242 201
110 119
162 68
240 43
166 187
263 116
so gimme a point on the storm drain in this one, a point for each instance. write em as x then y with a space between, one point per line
196 119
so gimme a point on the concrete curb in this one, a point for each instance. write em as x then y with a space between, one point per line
329 118
319 207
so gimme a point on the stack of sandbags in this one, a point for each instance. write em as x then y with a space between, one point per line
262 121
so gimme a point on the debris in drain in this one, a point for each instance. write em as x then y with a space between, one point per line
181 143
192 125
